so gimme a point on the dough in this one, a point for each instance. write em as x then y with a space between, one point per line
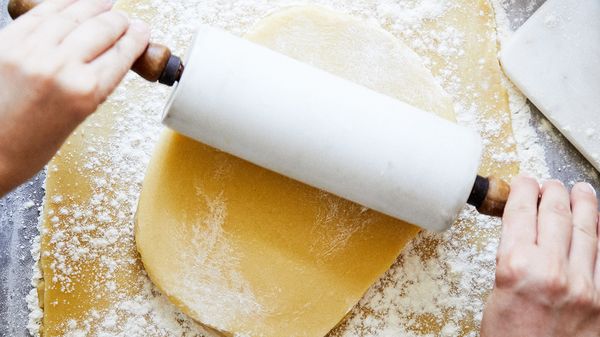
94 282
250 252
310 125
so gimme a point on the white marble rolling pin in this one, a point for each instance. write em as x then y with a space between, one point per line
325 131
328 132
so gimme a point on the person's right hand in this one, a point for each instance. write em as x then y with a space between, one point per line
58 62
548 268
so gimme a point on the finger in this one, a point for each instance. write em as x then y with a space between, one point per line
105 29
582 255
554 219
113 64
27 22
55 28
47 7
520 214
597 267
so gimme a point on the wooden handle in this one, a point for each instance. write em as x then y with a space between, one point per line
158 64
155 64
489 195
17 8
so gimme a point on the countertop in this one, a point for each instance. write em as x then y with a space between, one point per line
19 209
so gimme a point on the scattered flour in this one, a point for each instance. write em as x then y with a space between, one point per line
33 303
416 297
28 204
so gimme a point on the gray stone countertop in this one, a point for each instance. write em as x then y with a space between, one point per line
18 221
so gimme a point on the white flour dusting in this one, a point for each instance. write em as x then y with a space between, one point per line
417 296
33 303
424 296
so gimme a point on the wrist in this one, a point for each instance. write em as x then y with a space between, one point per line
6 174
6 181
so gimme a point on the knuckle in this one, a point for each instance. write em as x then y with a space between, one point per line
553 183
87 91
110 24
523 209
582 296
10 62
596 303
555 287
42 70
67 19
120 15
510 270
116 20
525 180
36 15
101 4
582 293
83 96
559 209
42 74
587 232
584 201
584 198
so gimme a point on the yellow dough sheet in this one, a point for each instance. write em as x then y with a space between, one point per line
94 281
250 252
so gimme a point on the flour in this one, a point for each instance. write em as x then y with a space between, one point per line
33 302
28 205
418 296
421 295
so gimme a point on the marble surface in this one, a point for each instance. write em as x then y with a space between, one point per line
18 220
553 59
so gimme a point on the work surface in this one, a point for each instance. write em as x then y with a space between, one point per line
18 214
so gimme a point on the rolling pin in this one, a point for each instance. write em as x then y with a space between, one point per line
317 128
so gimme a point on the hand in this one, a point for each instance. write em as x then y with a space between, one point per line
57 64
548 271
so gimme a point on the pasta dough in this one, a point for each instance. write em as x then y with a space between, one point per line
247 251
94 283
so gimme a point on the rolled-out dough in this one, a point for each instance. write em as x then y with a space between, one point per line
247 251
93 280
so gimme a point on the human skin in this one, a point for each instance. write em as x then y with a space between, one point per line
53 76
548 270
58 62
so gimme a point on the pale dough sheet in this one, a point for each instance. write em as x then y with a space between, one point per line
310 262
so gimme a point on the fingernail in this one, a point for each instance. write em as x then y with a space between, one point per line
556 181
551 181
106 3
123 14
592 189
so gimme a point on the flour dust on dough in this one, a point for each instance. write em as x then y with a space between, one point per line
247 251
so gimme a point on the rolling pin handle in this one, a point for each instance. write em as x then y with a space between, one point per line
158 64
172 72
17 8
489 195
155 64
